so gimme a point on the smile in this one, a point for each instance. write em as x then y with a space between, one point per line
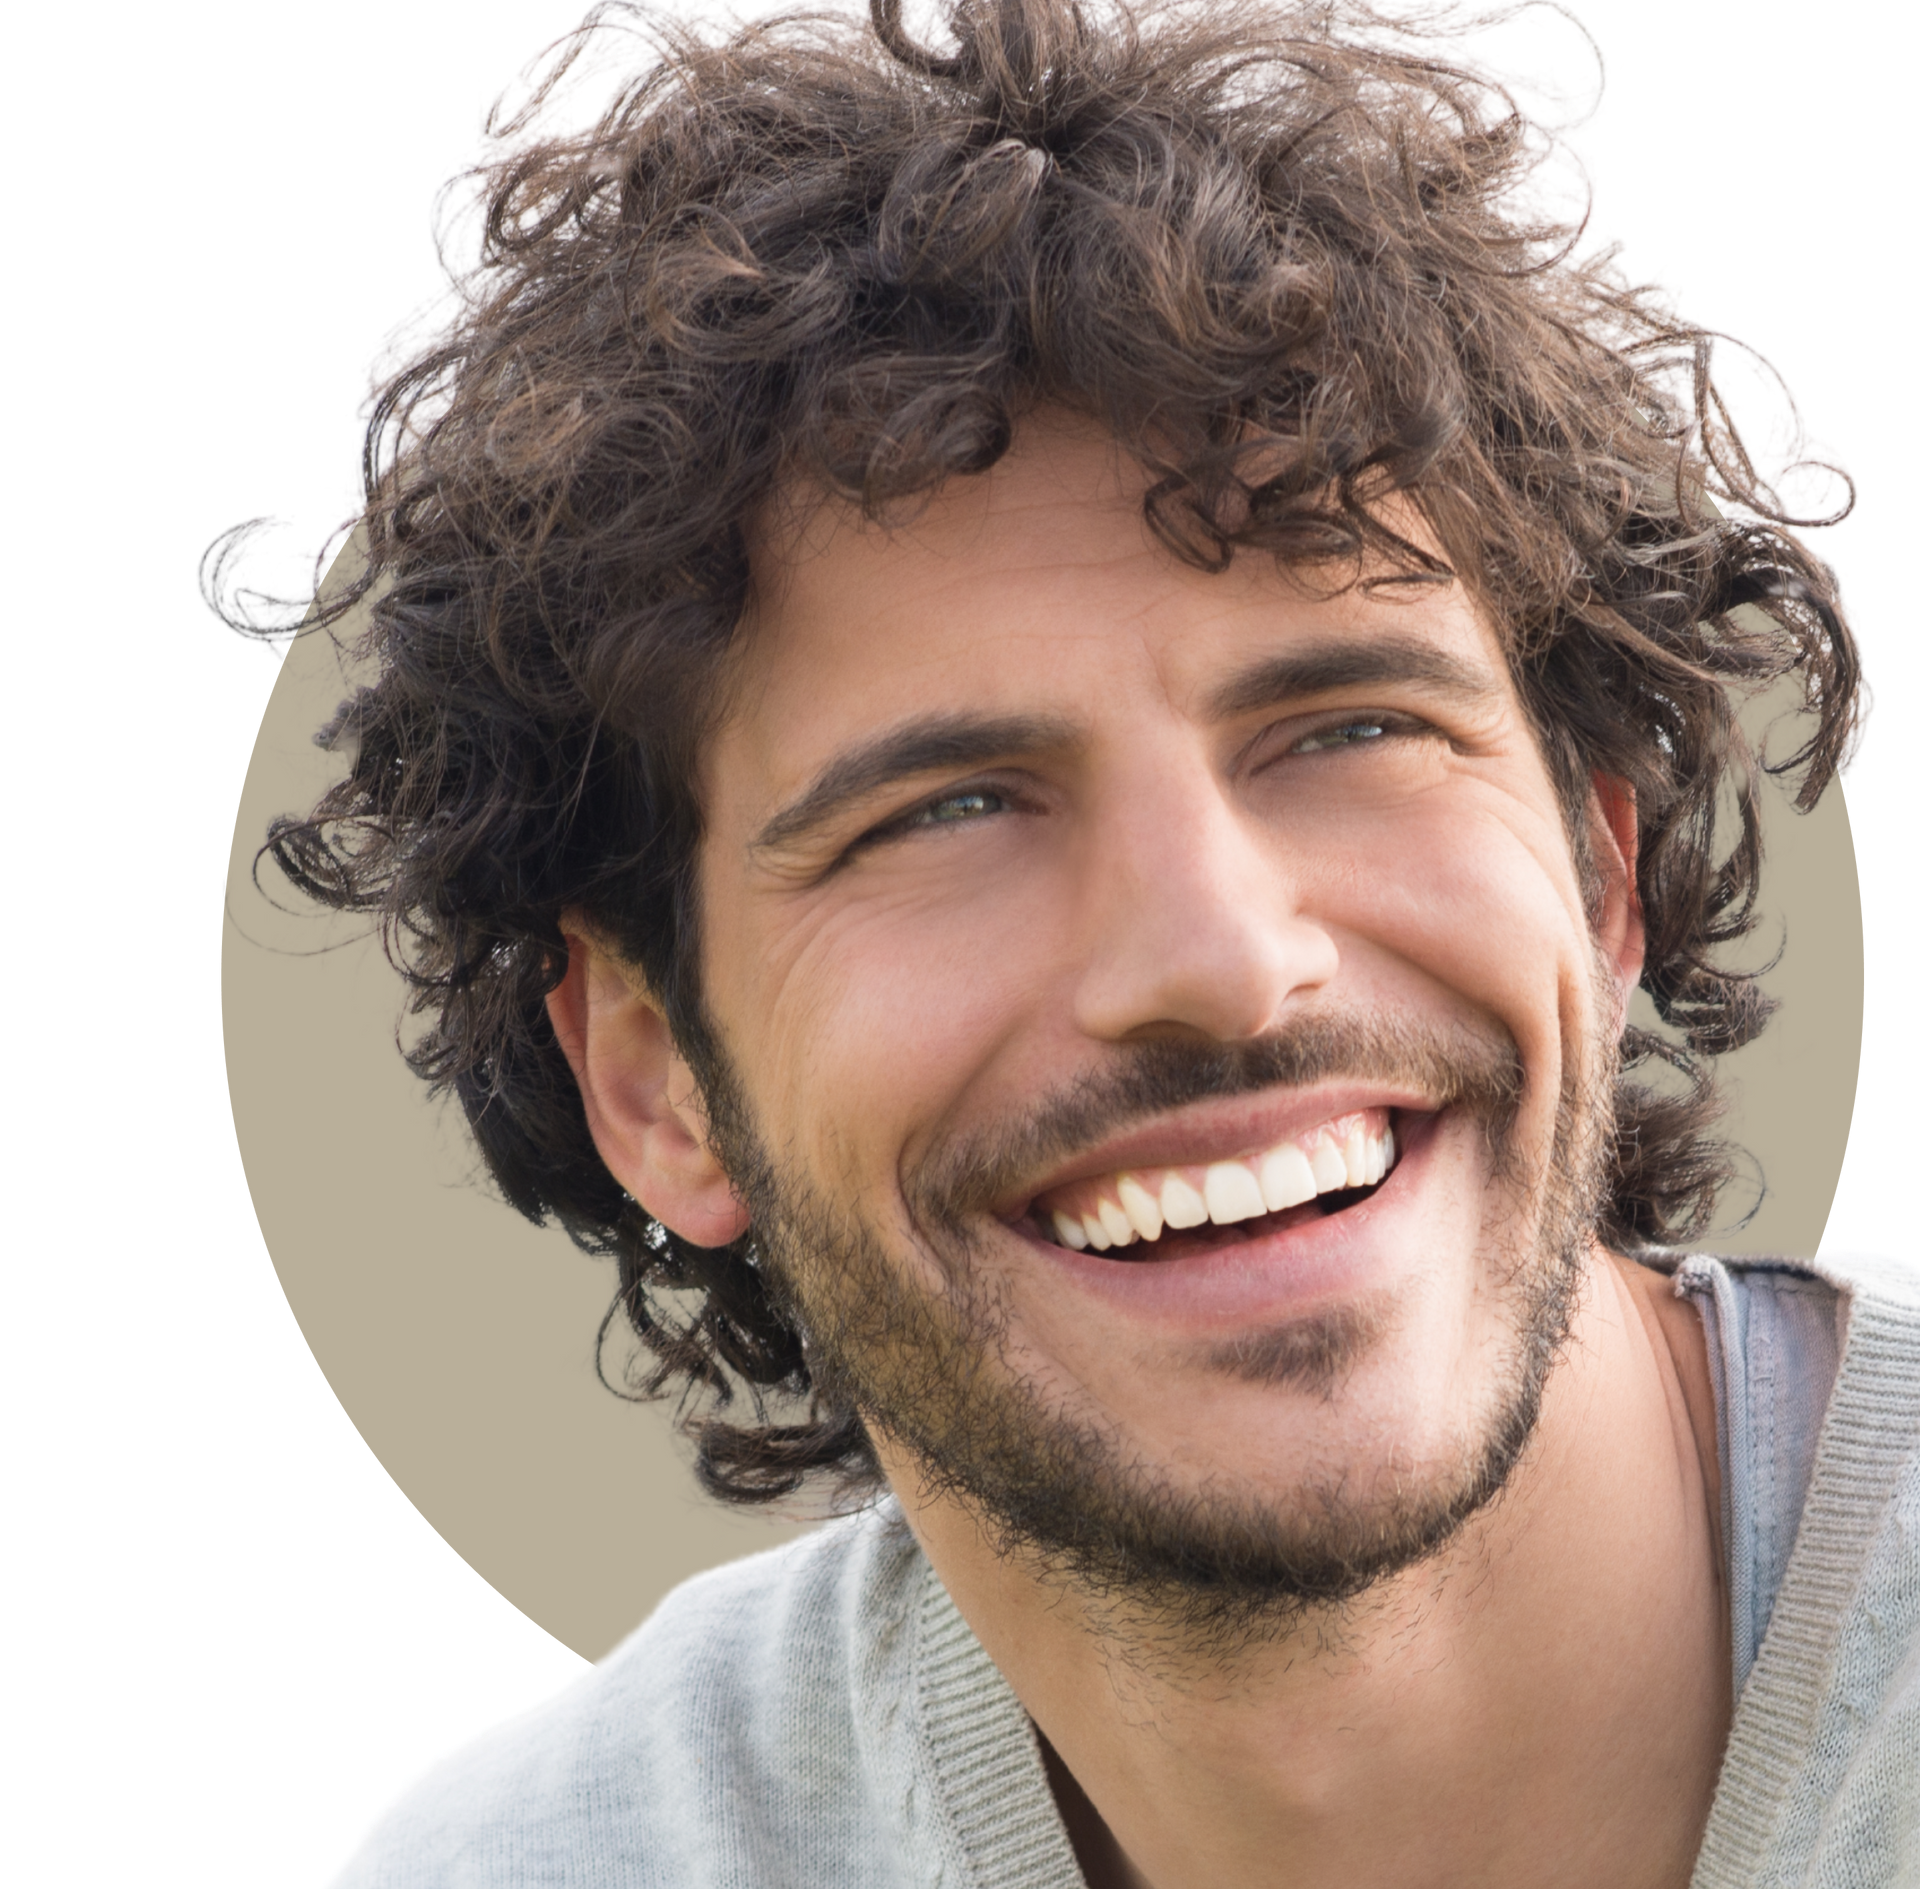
1137 1206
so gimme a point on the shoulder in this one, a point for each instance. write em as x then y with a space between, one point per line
1840 1335
1887 1289
1873 1302
728 1723
1876 1277
1816 1785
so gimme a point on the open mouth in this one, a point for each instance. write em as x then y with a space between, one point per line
1162 1212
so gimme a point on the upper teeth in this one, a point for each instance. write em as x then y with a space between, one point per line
1117 1209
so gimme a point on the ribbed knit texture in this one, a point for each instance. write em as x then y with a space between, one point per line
821 1718
1821 1784
985 1759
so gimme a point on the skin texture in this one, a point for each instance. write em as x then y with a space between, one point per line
1159 849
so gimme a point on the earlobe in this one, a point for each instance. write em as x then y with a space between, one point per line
1619 926
643 1105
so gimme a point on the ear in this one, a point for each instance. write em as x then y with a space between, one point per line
644 1107
1619 927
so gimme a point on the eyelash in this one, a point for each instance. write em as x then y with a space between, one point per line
924 818
930 814
1342 735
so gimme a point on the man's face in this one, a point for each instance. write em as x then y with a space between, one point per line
1055 893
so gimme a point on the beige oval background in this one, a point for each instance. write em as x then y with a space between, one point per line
460 1339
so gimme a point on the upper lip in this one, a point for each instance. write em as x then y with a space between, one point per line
1223 1130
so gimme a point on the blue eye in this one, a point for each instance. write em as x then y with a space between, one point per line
960 808
1344 734
969 804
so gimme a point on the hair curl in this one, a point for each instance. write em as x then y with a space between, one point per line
1275 253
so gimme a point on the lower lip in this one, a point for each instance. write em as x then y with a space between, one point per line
1269 1277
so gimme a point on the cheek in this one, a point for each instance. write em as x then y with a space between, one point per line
1476 889
859 1025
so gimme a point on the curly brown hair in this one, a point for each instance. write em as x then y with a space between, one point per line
1276 254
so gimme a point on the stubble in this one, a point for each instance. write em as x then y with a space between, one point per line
1063 1490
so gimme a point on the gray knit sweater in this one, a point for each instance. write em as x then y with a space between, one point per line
820 1717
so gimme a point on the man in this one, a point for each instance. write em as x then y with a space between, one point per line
1037 703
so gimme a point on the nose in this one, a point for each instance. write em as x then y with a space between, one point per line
1193 923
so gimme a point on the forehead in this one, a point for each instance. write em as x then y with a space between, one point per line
1038 586
1057 520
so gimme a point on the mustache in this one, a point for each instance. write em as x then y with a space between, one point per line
1451 1062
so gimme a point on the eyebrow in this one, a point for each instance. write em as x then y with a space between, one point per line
933 743
1321 668
943 742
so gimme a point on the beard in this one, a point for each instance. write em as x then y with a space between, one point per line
1064 1490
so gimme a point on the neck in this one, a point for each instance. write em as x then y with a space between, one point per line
1547 1698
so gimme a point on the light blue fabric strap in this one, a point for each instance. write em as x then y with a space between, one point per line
1773 1344
1722 1307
